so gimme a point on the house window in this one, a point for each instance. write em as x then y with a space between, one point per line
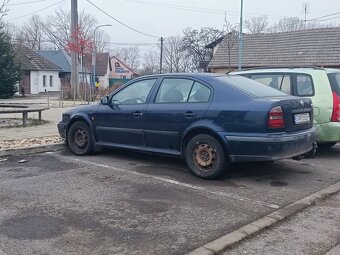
44 80
51 81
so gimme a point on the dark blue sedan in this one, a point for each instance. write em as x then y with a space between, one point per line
210 120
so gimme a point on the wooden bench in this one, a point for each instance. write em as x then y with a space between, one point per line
24 109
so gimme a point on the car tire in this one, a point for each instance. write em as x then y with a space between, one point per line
205 157
79 138
326 145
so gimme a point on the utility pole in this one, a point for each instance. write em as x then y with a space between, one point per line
161 58
74 55
241 39
305 9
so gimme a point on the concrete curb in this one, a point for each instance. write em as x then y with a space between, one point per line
33 149
224 242
334 251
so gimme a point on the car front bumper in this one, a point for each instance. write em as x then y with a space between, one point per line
62 126
269 147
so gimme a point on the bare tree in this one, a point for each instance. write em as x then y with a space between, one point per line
175 57
150 63
230 39
256 25
102 41
129 55
288 24
57 29
31 33
3 10
194 42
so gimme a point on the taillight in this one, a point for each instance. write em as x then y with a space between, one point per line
336 108
276 118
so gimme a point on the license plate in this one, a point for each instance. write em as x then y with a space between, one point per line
301 118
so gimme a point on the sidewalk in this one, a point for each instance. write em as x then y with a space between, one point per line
315 230
53 115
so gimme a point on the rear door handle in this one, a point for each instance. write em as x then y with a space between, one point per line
189 114
137 114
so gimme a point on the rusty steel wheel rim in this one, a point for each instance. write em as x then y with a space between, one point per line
204 156
80 138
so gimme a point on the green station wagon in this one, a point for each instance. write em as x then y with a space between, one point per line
322 85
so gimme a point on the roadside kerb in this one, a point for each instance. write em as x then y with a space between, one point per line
33 150
224 242
334 251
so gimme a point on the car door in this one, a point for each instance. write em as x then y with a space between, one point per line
178 103
121 121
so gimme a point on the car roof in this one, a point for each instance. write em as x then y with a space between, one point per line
332 70
308 70
193 75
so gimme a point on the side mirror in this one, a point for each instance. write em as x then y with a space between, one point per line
104 100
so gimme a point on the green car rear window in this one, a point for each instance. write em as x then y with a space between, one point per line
251 87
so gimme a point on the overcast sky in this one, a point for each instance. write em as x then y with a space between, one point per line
166 18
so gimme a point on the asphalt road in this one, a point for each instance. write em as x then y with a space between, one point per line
121 202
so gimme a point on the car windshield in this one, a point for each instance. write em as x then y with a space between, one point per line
251 87
334 79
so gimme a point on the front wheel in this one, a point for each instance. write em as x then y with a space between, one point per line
80 138
205 157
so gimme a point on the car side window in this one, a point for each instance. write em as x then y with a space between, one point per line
199 93
304 85
174 90
135 93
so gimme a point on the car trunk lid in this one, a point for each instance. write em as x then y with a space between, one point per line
297 114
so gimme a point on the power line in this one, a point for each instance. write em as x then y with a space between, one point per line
337 17
197 9
32 2
325 16
29 14
120 22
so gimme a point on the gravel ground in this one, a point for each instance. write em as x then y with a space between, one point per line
29 142
9 123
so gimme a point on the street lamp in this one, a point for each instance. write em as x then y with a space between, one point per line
94 52
241 39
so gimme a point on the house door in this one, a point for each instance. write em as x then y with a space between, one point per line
25 83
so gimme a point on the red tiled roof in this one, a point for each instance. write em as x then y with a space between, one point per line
318 47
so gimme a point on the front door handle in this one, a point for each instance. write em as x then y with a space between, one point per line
189 114
137 114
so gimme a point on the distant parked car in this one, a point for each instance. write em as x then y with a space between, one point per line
319 84
209 120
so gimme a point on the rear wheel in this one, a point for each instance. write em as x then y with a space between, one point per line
80 138
205 157
326 145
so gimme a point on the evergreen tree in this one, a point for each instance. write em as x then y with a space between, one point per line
9 70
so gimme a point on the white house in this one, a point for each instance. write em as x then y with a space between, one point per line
39 74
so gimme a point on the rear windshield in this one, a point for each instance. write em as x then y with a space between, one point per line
251 87
334 79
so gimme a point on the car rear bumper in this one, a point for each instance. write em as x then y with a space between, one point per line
269 147
328 132
62 129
